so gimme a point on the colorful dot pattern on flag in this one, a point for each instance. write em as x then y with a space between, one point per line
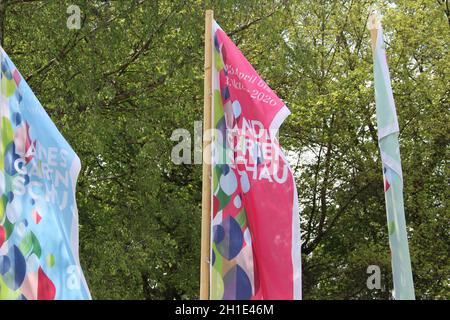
255 234
32 192
17 242
232 280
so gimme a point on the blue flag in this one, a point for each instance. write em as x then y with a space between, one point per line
38 212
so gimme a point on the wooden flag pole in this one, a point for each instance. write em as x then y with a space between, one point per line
374 24
206 188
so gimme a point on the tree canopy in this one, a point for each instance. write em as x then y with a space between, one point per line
118 86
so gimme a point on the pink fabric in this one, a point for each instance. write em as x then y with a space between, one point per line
270 202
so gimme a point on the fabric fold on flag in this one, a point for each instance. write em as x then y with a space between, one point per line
38 211
255 224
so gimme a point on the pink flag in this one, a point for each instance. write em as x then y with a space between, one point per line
255 233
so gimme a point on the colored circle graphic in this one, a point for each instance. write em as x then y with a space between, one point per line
237 285
228 238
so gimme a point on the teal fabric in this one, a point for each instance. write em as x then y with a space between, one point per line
390 154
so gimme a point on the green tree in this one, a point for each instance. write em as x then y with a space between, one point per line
119 86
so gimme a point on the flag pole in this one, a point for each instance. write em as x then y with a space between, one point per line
393 177
206 177
373 25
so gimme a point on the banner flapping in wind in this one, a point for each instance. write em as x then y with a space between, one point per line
388 131
255 226
38 212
